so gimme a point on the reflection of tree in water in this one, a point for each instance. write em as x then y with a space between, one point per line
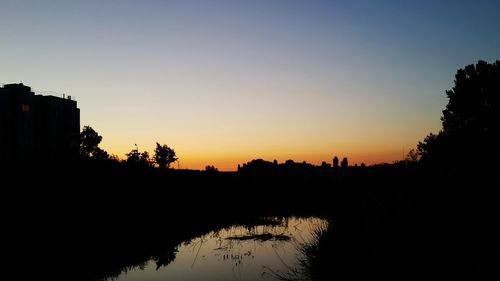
166 257
162 256
241 248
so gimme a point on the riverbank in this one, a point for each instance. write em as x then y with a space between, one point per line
393 222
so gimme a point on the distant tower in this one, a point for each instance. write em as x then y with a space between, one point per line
344 164
335 162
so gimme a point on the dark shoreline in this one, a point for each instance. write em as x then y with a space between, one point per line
398 222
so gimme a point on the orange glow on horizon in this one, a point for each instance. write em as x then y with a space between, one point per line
223 84
230 161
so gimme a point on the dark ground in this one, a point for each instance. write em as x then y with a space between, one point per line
387 223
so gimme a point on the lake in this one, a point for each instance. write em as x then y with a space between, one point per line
261 252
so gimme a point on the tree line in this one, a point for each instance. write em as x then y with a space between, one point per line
163 156
469 136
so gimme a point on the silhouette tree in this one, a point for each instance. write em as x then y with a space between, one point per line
412 156
100 154
145 160
470 121
432 148
136 158
473 101
89 145
164 156
211 169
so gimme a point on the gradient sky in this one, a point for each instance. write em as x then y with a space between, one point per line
224 82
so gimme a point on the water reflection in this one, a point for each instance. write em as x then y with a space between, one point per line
235 253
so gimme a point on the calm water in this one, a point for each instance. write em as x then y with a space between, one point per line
235 253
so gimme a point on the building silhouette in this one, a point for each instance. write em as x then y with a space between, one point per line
37 129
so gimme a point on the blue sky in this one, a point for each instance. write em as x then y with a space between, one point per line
224 82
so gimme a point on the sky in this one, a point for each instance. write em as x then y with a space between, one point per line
225 82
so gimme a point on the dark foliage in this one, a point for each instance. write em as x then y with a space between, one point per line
138 159
470 122
89 145
164 156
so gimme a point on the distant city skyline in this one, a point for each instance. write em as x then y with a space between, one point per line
225 82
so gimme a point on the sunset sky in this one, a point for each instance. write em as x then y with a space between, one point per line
225 82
